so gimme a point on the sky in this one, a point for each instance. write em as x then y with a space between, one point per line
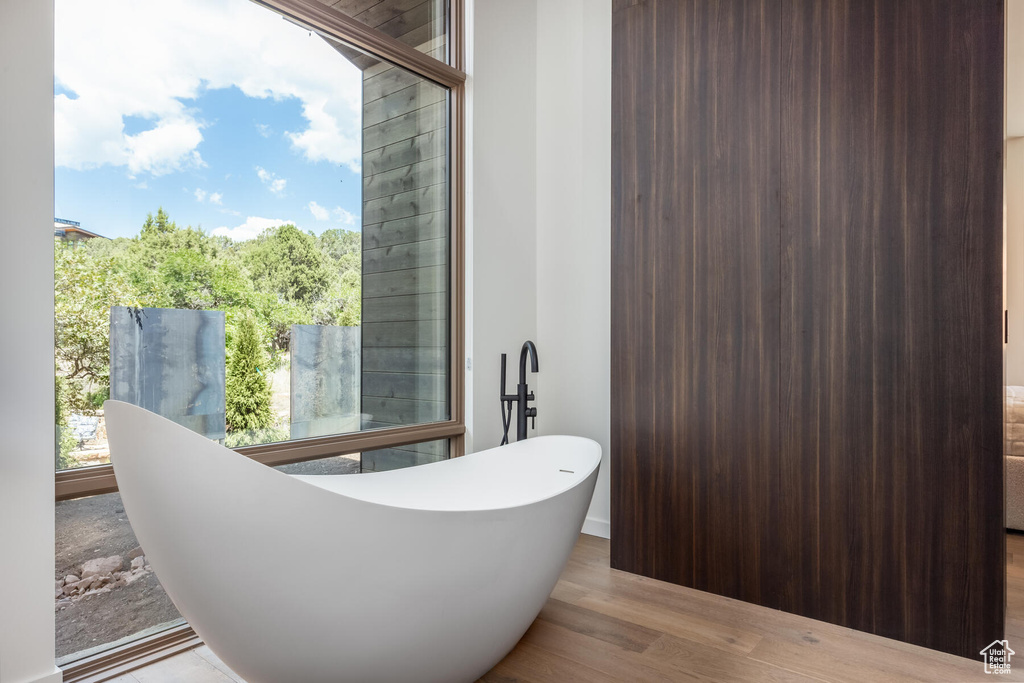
226 115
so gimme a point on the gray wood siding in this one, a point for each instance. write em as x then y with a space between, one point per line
398 308
404 230
405 253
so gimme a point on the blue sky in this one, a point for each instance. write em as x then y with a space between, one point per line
229 118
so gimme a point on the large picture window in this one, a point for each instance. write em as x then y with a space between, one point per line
257 234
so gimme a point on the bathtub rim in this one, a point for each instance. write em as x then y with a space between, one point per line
580 476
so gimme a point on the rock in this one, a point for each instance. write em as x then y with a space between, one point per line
138 562
59 583
135 553
101 565
70 587
133 577
120 582
71 578
58 593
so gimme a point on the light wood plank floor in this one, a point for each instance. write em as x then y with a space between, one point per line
602 625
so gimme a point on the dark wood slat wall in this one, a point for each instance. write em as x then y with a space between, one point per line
892 352
806 322
695 323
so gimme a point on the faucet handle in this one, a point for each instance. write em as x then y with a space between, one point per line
532 414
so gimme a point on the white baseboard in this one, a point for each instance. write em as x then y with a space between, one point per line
601 528
56 677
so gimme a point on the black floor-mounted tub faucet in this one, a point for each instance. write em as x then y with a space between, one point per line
522 397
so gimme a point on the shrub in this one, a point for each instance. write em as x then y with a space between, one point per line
258 436
248 391
95 399
65 440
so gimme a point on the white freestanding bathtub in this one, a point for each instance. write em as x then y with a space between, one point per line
431 573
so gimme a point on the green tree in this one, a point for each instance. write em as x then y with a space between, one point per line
85 288
342 303
248 391
193 280
187 280
161 224
288 262
341 245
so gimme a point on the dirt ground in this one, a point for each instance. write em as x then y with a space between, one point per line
94 527
97 527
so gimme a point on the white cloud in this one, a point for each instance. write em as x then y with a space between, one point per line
319 212
275 184
202 195
341 215
202 45
251 228
324 139
345 217
264 130
171 146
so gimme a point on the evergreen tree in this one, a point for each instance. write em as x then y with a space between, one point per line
161 224
248 391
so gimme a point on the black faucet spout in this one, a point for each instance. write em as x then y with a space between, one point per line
525 395
529 348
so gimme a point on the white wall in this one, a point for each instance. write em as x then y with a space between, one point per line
539 242
26 349
574 227
501 209
1015 68
1014 254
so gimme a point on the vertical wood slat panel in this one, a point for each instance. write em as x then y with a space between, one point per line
806 398
891 345
695 320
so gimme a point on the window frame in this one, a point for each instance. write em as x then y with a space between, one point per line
99 479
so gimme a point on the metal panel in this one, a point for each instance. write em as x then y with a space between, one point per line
325 380
171 362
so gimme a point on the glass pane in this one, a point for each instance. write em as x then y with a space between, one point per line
117 596
422 24
374 461
339 464
404 456
253 232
